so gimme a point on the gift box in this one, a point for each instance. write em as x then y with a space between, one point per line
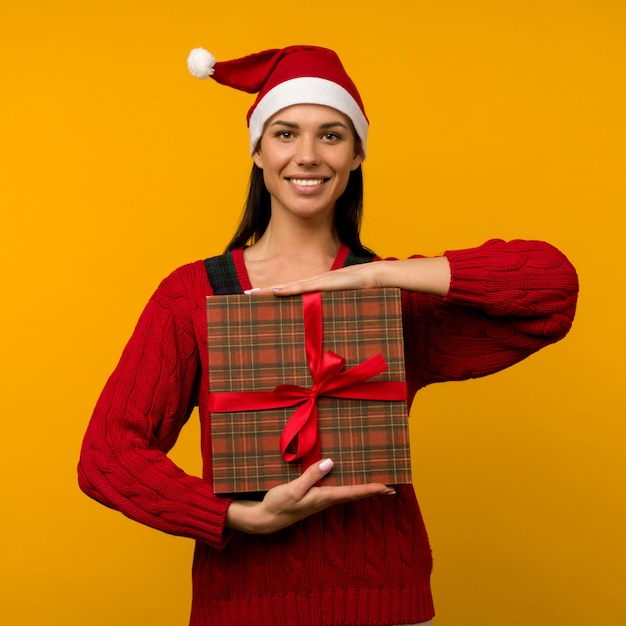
296 379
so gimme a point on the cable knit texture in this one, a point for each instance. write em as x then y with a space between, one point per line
367 562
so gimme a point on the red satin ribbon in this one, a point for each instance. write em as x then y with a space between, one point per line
301 431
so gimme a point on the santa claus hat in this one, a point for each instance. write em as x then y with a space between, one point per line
283 77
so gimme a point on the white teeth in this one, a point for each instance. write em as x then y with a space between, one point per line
307 182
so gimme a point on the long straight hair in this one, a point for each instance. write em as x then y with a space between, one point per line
257 213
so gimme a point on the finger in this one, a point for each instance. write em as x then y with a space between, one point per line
351 493
335 494
332 281
314 283
290 289
312 475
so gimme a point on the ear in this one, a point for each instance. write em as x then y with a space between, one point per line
258 158
357 159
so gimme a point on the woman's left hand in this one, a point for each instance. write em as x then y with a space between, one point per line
363 276
426 274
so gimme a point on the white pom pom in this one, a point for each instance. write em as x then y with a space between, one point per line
200 63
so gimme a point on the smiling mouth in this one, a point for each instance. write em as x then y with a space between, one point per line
307 182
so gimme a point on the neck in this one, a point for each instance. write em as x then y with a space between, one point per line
297 239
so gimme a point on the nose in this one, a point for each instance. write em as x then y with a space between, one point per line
307 151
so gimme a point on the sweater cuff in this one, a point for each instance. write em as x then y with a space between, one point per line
469 276
213 529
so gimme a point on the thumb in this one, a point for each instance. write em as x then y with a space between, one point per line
313 474
325 466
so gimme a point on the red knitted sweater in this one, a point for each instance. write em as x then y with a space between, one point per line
367 562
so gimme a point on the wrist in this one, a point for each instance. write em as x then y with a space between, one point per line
423 274
241 516
250 517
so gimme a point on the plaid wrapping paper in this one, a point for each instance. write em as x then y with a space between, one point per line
258 342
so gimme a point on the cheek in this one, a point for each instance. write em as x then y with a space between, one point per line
347 164
271 178
273 160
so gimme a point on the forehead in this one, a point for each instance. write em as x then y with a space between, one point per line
315 114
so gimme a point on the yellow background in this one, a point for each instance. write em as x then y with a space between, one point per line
489 118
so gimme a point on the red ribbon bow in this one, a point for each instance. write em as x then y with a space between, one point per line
301 430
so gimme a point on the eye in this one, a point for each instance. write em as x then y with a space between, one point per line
331 136
284 134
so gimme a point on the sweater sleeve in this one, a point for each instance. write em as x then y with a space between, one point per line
506 300
136 421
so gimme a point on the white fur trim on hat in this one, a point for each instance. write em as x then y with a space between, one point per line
306 90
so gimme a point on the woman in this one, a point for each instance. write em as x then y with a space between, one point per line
305 554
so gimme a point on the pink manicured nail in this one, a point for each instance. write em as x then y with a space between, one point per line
388 492
326 465
249 291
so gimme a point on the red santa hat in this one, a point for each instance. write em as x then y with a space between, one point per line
284 77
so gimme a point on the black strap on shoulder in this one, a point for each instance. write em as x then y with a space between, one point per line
222 274
353 259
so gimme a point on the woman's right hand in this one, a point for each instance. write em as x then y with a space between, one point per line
288 503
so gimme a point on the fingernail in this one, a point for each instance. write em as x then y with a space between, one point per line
249 291
276 289
326 465
388 492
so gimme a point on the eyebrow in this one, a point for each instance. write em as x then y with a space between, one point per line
322 126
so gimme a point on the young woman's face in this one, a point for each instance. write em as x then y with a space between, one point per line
307 152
